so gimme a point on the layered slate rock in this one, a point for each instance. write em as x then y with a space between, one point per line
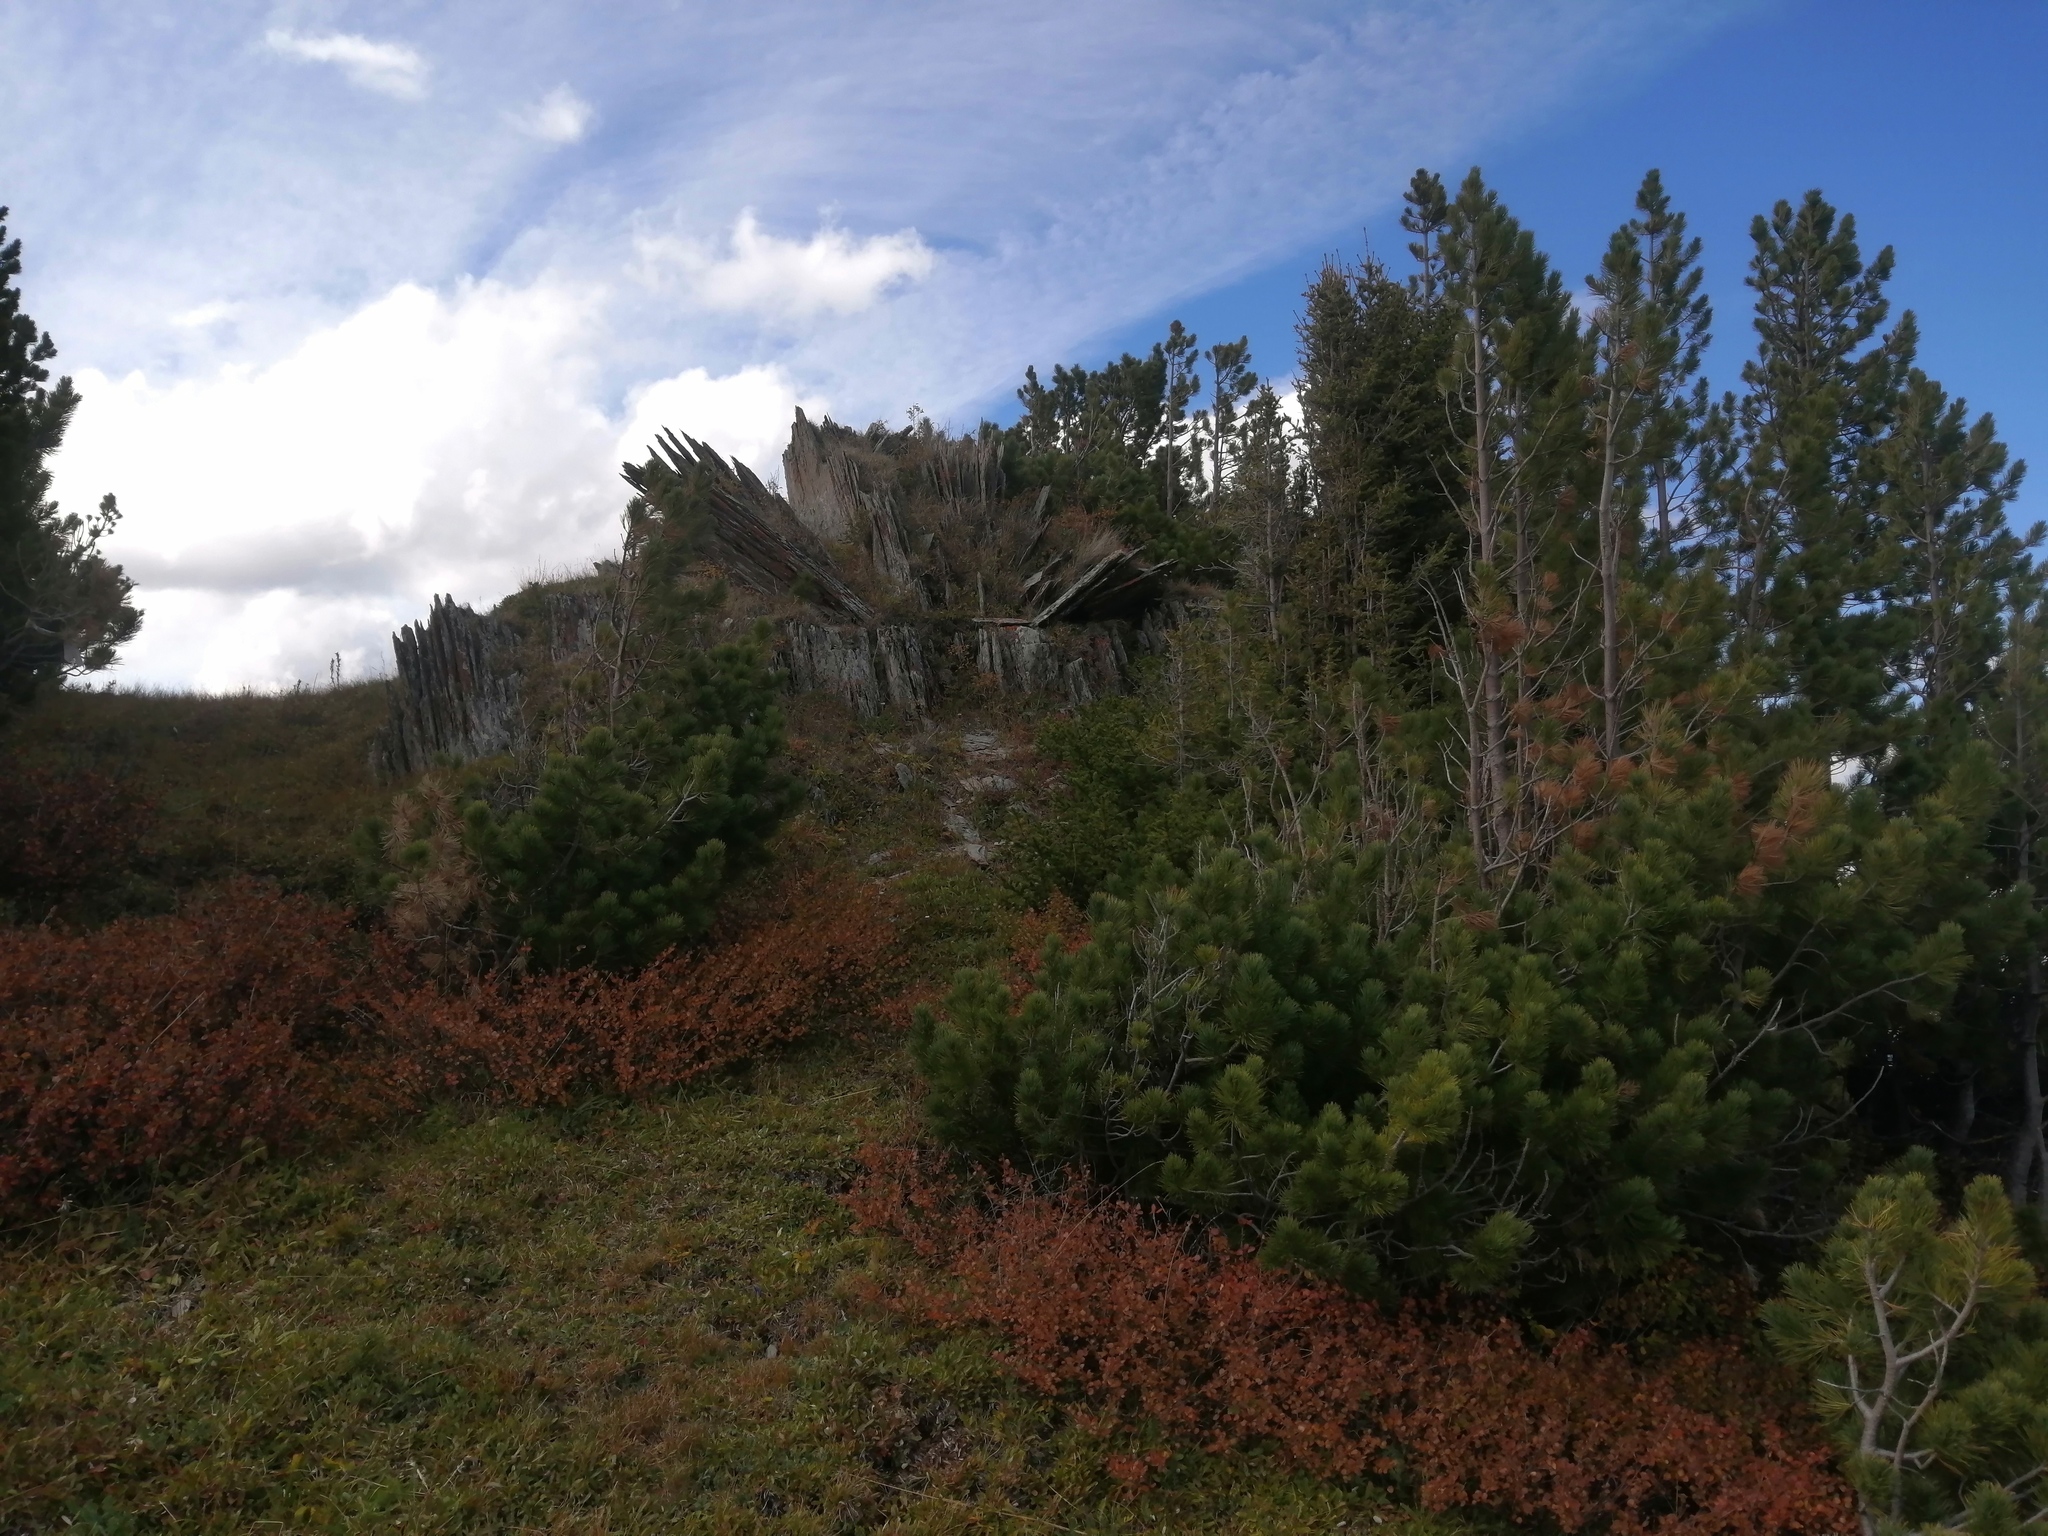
457 692
892 558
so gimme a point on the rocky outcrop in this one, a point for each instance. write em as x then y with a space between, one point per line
1074 665
886 543
867 668
753 536
457 692
823 490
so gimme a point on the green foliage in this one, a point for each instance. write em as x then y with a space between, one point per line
1623 826
1375 562
628 840
1113 441
1118 810
1630 1059
1928 1341
64 607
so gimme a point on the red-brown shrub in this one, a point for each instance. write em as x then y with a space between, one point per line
1103 1305
64 832
164 1041
825 947
159 1044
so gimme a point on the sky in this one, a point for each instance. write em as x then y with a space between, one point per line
369 301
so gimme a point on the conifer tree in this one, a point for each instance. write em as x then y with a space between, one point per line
1377 562
1675 322
1426 216
1183 384
1625 367
1925 1338
631 835
1945 487
1513 381
2014 720
64 607
1799 524
1231 381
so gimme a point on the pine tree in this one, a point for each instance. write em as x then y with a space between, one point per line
1183 384
1377 560
1675 323
1926 1339
2014 721
1513 379
64 608
1426 215
1231 381
1800 524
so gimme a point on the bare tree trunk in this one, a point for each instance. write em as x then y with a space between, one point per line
1610 596
1490 776
1663 514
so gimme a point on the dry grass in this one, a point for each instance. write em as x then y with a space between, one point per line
615 1319
266 784
550 1321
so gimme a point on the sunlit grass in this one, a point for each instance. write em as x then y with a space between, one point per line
618 1318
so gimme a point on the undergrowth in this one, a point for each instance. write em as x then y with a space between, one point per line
251 1018
260 784
1158 1342
609 1317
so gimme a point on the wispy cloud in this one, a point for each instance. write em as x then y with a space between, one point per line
200 316
756 272
560 117
468 329
392 69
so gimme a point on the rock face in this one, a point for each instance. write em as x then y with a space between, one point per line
869 669
822 491
888 542
753 535
457 692
1075 664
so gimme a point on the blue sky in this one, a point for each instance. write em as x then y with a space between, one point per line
1928 122
368 300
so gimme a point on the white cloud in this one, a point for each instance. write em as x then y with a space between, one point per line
560 117
745 415
439 351
200 316
761 273
391 69
426 444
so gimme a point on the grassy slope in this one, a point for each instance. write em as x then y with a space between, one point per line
554 1322
268 784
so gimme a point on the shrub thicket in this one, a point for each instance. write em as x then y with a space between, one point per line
626 844
1149 1337
155 1046
68 840
1682 861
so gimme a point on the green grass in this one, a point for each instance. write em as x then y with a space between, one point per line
620 1318
265 784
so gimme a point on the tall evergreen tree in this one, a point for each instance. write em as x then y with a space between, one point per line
64 608
1800 522
1377 559
1426 214
1676 323
1512 379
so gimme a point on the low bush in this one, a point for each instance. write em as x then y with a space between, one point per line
822 948
65 835
155 1046
1119 807
1153 1340
164 1042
